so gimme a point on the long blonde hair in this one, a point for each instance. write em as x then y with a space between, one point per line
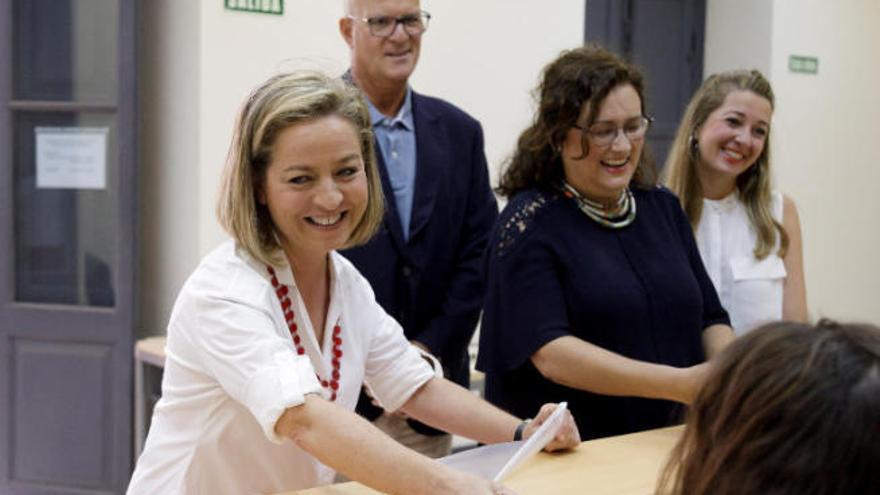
680 172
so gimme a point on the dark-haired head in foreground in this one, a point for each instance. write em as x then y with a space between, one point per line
788 409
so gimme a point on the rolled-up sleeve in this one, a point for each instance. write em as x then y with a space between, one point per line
252 361
394 369
275 388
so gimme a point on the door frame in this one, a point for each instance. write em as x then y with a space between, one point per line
123 315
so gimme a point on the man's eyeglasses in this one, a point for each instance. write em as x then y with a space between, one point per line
383 26
604 133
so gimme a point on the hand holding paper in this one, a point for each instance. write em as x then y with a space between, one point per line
552 429
567 435
553 425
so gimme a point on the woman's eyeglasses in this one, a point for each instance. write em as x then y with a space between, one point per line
604 133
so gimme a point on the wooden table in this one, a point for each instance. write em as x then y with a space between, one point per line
147 352
623 465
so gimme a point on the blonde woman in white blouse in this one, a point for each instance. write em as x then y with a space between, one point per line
274 333
749 235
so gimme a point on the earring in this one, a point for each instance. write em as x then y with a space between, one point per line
693 145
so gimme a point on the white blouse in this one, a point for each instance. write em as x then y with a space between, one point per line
232 369
750 289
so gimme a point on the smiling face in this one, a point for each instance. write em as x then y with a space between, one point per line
733 138
377 61
315 186
604 172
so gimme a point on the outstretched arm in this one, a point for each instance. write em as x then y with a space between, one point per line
450 407
576 363
354 447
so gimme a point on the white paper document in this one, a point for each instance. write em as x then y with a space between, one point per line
71 157
496 461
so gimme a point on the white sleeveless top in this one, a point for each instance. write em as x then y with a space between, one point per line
750 289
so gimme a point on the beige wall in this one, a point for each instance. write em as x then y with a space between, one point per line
738 35
487 58
822 128
826 133
199 61
170 193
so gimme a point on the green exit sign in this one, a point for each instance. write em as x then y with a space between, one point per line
805 65
275 7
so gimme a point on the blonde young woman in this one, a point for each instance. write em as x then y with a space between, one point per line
748 234
274 333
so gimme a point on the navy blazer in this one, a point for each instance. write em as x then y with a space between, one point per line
433 283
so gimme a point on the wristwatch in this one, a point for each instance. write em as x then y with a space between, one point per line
517 435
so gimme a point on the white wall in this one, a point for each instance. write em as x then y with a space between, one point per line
738 34
826 132
170 193
823 130
200 62
487 59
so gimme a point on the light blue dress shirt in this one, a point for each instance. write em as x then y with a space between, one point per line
397 143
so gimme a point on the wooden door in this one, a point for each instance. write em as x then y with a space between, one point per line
67 244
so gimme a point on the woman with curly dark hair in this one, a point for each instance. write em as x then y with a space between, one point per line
789 408
596 291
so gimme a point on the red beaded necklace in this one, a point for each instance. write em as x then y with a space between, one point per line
286 306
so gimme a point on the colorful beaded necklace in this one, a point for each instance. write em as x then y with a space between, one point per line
287 307
618 216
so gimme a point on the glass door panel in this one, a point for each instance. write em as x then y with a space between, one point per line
65 207
66 50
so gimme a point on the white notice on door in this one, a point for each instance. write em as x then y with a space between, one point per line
71 157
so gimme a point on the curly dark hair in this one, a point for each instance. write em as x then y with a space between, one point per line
788 408
578 76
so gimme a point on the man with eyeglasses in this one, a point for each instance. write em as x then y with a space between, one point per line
425 263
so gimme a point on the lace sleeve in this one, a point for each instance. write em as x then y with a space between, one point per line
517 220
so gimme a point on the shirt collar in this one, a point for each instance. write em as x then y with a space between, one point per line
404 116
726 203
285 274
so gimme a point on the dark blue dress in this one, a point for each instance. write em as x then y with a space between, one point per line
640 291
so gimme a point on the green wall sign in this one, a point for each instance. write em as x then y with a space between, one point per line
805 65
274 7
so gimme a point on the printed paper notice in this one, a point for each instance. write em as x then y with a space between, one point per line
71 157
